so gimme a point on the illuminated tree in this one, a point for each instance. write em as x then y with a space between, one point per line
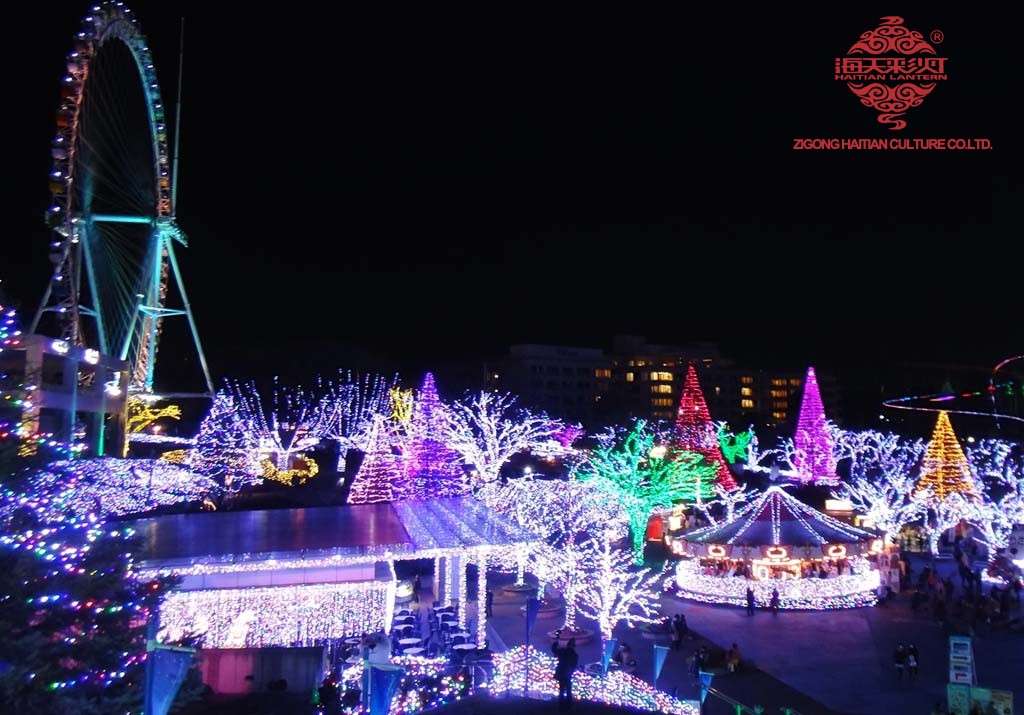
637 471
735 447
729 499
487 431
813 459
72 618
872 454
376 479
943 514
227 445
565 514
284 425
615 591
886 498
348 408
401 402
696 432
431 467
944 469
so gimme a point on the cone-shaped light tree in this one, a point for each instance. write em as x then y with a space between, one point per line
378 478
432 469
944 469
697 433
813 459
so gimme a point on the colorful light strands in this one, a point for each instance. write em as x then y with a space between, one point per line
813 459
640 478
142 413
696 432
617 688
101 488
851 590
278 615
74 615
944 469
226 447
871 454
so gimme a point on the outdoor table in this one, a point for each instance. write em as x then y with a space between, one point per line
408 642
464 648
353 659
415 650
402 628
353 641
464 634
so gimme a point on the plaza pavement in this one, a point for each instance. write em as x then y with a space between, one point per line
818 663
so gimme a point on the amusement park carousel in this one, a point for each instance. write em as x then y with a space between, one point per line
778 543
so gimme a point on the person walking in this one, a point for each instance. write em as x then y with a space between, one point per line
899 661
677 634
750 601
568 659
732 658
912 662
775 600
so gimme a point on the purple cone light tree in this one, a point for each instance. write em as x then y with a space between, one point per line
431 469
813 458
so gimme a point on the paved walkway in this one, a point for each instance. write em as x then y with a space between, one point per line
819 663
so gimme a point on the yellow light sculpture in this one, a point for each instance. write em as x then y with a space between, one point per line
944 468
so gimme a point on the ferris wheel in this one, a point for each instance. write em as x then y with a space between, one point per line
114 190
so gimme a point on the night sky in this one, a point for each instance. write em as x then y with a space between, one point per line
429 181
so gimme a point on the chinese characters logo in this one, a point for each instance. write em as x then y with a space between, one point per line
891 69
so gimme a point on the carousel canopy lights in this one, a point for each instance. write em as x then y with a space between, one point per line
777 519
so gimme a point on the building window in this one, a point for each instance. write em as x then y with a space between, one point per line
661 402
780 405
661 389
661 376
778 382
747 380
778 415
780 393
747 404
718 390
662 415
794 382
602 372
746 391
630 376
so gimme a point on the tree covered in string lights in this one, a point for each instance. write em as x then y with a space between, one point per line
349 407
615 591
487 430
283 425
886 499
695 432
431 467
379 476
813 458
566 515
72 618
226 446
735 446
637 471
944 468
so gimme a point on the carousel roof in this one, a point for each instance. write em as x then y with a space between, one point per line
778 519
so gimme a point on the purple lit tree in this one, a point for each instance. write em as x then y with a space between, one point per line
431 468
813 459
487 430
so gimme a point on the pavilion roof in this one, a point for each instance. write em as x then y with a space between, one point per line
362 532
778 519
